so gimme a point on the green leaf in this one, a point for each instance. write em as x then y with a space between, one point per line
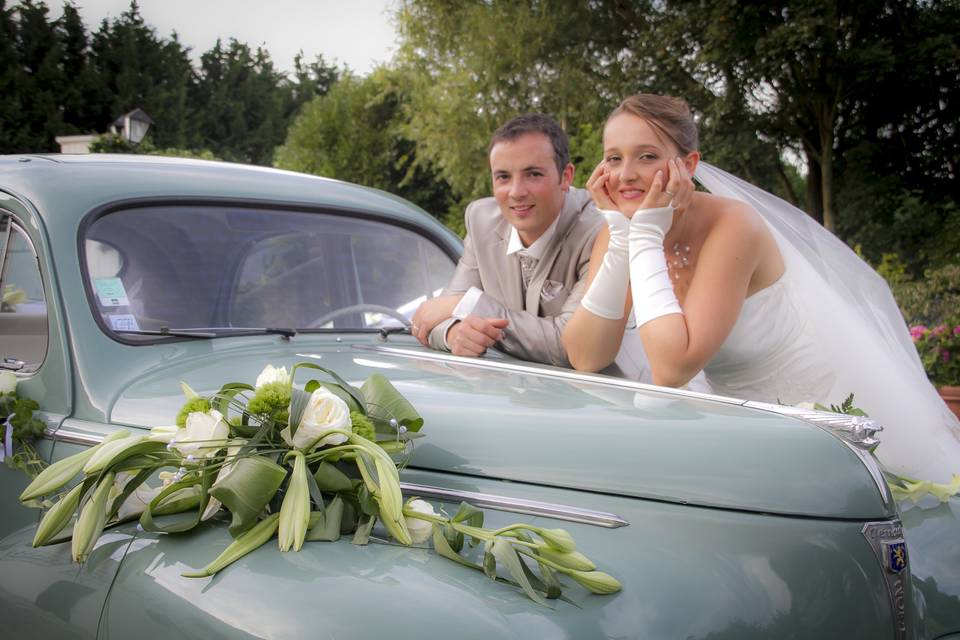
346 386
442 547
386 403
178 521
129 488
227 393
469 515
453 537
336 390
326 525
298 404
247 490
331 479
507 556
362 535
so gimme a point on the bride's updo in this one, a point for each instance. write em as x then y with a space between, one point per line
668 115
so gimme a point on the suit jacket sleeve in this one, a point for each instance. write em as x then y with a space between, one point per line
536 338
466 275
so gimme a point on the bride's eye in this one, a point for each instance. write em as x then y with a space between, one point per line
612 159
649 156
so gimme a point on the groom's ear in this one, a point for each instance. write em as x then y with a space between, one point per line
691 161
566 178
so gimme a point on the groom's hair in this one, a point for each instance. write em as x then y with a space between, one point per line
536 123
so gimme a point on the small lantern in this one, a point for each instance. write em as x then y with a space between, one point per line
133 126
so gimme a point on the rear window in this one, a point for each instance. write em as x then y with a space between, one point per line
195 267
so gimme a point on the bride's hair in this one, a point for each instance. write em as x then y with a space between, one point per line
669 115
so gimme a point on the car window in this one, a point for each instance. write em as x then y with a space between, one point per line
24 330
211 267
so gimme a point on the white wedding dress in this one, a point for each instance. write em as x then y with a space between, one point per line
827 328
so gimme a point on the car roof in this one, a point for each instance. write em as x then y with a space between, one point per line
71 185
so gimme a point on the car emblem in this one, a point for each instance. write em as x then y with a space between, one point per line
895 554
886 540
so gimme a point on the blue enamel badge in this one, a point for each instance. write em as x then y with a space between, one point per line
896 556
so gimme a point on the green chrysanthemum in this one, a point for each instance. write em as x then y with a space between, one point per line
192 405
361 425
271 399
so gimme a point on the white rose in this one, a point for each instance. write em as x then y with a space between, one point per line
8 382
204 434
272 374
324 411
420 530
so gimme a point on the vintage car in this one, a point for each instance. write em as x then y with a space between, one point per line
722 518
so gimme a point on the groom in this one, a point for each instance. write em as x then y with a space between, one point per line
525 256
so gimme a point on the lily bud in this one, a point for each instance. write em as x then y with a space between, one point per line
570 559
244 544
58 517
93 517
391 501
109 452
295 508
558 539
62 471
596 581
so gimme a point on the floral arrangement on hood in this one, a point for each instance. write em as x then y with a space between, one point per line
296 464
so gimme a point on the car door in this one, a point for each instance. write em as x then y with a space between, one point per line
42 592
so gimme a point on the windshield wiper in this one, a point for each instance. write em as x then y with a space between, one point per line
213 332
173 333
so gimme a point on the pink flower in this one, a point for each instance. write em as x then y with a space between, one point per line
944 355
917 331
956 330
940 330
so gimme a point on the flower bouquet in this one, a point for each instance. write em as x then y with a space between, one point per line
302 464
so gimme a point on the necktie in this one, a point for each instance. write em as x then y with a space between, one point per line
527 266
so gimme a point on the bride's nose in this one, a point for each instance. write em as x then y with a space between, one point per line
628 171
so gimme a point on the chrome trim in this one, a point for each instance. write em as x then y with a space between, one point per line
500 503
857 434
66 434
881 536
562 374
519 505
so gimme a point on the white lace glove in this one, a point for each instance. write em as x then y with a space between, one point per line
653 294
608 291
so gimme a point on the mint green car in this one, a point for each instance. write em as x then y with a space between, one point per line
722 519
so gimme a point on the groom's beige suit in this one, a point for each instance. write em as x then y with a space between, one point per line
556 284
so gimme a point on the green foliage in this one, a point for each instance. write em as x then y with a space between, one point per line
113 143
26 429
200 405
930 300
846 407
271 399
355 133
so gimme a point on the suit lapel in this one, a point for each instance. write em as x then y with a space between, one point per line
568 215
508 269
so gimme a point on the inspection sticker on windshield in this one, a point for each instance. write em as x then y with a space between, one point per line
111 293
123 322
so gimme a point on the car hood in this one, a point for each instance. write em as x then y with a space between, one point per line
500 418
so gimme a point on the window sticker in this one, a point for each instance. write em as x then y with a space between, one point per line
110 292
123 322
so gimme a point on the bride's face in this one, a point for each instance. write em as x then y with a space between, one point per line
633 152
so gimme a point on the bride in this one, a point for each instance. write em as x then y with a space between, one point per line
747 288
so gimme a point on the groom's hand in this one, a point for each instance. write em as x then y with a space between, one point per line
430 314
473 335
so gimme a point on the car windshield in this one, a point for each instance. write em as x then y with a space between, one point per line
208 267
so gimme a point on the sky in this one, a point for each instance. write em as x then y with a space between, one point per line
358 33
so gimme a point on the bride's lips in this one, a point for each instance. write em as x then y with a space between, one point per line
632 194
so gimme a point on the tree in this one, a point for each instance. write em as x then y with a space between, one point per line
356 133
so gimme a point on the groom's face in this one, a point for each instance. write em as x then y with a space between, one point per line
527 185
